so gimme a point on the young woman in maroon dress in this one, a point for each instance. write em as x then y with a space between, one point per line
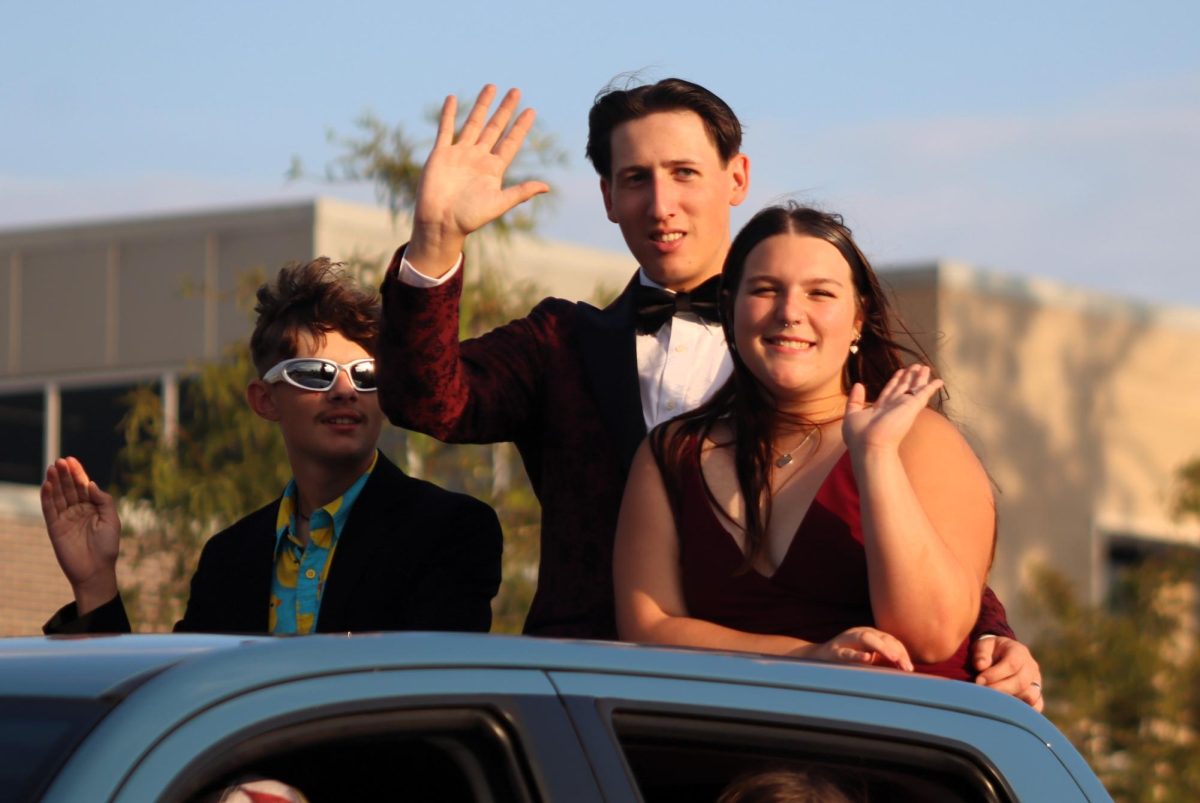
870 525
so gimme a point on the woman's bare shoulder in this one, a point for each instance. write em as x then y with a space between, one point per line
934 436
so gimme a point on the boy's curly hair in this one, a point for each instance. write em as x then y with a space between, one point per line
316 298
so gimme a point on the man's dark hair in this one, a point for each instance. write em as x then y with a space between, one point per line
316 298
613 106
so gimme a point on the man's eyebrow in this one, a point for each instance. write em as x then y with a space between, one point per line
635 166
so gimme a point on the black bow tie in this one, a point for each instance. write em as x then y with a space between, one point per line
656 306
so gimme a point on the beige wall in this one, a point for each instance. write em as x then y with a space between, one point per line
154 294
137 294
1080 405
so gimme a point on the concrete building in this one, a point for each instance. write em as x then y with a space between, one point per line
1080 404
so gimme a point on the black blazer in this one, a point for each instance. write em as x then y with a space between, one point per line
412 556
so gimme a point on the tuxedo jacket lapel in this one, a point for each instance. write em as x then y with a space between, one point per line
369 521
608 350
257 607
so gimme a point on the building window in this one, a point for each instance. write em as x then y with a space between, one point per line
91 431
1128 555
22 432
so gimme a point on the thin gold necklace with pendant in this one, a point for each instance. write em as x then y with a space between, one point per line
785 458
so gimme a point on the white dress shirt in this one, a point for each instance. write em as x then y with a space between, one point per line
681 365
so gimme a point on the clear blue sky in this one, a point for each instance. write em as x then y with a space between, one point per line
1057 139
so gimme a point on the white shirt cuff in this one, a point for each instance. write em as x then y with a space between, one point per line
414 278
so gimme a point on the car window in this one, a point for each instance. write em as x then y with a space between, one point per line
685 758
436 755
36 736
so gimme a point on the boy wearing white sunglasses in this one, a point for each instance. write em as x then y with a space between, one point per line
352 544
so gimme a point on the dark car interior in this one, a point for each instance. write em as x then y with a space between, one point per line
436 755
690 758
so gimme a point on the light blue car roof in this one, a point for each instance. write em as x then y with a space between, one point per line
177 675
218 666
94 666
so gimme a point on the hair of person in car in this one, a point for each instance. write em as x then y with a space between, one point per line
614 106
745 402
788 785
312 298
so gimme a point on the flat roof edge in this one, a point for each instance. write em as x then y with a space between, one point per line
1037 290
105 229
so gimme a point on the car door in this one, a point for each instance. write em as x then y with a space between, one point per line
667 739
430 734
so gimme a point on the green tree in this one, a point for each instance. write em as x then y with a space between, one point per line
1121 678
1185 502
390 159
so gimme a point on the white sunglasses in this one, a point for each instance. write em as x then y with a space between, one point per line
317 373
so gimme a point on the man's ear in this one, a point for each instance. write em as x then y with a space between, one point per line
606 191
739 175
258 396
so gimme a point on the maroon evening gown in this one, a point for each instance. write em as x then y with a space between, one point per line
820 588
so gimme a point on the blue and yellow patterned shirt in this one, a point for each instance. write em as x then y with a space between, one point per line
300 569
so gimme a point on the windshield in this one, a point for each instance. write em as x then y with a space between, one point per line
36 736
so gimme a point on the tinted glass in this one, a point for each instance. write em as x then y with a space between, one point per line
36 736
431 755
685 759
22 429
312 374
91 428
363 375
